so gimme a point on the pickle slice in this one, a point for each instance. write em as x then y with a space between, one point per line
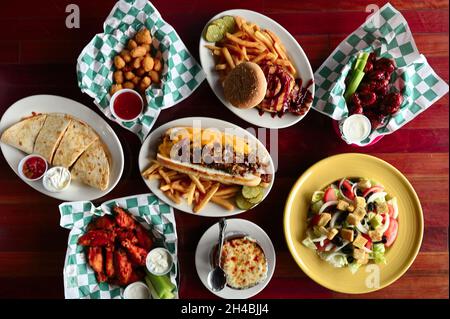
242 203
229 23
221 24
251 191
213 33
257 199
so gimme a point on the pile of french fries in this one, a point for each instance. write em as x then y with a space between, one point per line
196 191
249 43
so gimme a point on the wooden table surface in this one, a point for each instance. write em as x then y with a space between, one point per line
38 56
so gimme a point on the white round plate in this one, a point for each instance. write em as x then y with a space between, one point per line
148 153
295 53
210 239
57 104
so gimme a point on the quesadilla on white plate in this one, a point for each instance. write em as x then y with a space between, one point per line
77 138
50 135
93 167
22 135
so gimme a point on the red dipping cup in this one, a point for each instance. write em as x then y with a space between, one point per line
126 105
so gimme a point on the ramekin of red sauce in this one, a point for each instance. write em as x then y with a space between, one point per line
33 167
126 105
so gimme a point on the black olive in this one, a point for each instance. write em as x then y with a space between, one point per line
350 259
384 240
359 193
337 240
341 218
347 249
355 233
371 207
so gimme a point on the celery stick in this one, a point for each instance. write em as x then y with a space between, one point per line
356 79
361 61
161 285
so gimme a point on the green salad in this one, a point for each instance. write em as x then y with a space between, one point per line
352 222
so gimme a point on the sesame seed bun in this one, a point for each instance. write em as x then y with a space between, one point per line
245 86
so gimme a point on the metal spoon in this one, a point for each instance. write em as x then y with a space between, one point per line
216 277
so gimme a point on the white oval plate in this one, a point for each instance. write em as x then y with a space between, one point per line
57 104
148 152
294 50
210 239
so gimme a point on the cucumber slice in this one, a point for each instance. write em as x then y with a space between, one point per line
242 203
213 33
317 196
251 191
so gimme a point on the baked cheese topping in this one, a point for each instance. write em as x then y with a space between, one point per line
244 262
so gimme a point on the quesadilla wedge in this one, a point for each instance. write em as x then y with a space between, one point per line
93 167
77 138
50 135
23 134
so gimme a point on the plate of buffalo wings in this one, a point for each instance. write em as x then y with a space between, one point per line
116 247
108 247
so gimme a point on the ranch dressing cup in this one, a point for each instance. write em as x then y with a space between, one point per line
356 128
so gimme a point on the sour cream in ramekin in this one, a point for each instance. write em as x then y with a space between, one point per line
57 179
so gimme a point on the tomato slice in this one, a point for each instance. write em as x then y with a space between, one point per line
347 190
325 244
391 210
373 189
369 241
315 220
330 195
391 232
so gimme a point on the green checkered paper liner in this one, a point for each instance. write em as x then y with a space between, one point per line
147 209
181 73
387 33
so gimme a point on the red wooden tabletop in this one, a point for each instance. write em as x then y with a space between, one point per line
38 56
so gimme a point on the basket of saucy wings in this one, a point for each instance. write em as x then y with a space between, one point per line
208 171
252 62
109 249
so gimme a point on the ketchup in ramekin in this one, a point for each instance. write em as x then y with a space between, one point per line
126 105
33 167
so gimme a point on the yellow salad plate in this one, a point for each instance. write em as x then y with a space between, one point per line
399 256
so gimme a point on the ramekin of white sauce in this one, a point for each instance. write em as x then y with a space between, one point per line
57 179
136 290
356 128
159 261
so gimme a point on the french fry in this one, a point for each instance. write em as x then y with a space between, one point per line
207 198
190 193
217 52
151 169
164 175
280 52
220 67
261 37
212 47
228 58
244 54
226 191
239 22
153 176
197 183
239 34
243 42
173 197
222 202
164 187
178 187
260 57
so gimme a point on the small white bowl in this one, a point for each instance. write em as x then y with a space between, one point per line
347 128
136 285
113 98
46 177
22 162
148 261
